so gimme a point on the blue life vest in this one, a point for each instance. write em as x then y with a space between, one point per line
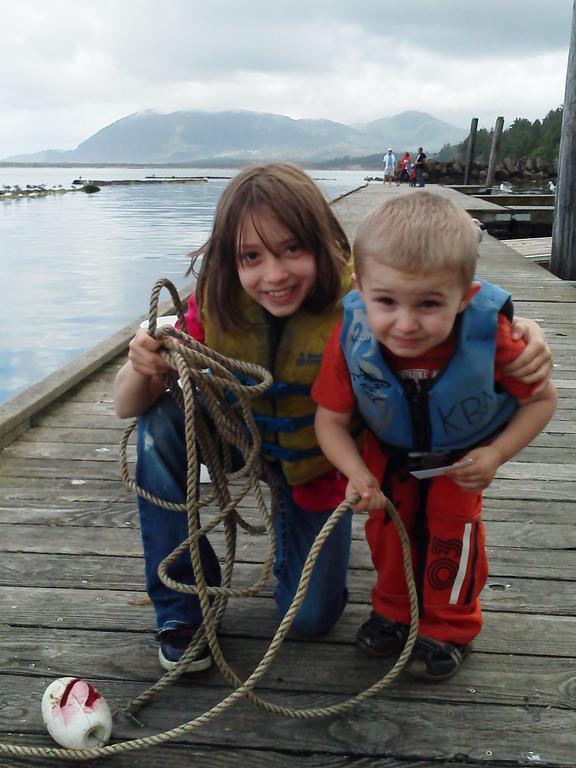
457 409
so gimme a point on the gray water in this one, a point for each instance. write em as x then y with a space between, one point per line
75 267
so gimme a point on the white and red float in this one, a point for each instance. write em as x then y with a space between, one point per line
76 715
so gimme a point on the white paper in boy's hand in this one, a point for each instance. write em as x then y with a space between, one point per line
422 474
204 474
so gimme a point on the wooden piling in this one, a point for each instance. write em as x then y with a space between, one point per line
471 145
494 151
563 260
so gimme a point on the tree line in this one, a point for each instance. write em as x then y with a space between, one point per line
540 139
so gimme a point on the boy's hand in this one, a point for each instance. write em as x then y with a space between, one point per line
535 362
371 497
144 355
478 475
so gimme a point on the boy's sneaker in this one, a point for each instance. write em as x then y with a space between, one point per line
434 661
173 644
382 636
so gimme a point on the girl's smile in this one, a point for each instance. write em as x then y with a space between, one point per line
273 267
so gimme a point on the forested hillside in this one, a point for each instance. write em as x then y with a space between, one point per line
522 139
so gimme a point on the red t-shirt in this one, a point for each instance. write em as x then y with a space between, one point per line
317 495
194 325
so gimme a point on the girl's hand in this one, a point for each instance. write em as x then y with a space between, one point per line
478 475
143 353
535 362
371 497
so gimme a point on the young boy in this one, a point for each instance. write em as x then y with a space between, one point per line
419 355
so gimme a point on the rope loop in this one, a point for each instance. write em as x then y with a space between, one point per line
215 429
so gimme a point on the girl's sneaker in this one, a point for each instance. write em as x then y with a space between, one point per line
434 661
382 636
173 644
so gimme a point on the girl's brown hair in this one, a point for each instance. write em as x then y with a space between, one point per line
290 196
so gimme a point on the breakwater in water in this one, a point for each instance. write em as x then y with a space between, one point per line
41 190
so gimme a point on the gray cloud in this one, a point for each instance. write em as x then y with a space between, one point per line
70 67
292 35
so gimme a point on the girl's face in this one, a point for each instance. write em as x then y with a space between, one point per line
273 268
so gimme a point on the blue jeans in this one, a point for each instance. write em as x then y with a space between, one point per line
161 470
420 176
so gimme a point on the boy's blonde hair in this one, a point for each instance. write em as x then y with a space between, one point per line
419 232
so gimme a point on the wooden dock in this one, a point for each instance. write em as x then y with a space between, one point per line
530 214
73 601
538 249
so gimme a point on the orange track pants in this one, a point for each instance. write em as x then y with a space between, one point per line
448 555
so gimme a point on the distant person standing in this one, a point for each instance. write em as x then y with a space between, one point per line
405 168
420 166
389 161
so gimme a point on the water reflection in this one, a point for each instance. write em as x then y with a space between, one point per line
76 267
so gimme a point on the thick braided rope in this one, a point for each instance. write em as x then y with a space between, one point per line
210 623
247 686
250 449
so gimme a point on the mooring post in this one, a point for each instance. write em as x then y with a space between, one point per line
494 151
470 149
563 259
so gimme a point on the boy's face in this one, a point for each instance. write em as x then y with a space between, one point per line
412 312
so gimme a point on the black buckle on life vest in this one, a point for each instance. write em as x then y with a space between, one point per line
418 460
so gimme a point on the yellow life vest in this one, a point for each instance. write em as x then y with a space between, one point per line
288 427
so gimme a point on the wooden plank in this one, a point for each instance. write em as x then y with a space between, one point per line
38 508
381 728
64 490
115 609
44 559
75 435
530 246
183 756
512 583
494 677
511 199
107 452
529 535
64 419
80 474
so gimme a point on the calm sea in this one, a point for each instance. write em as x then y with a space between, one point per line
77 267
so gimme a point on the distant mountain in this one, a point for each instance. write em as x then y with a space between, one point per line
409 130
192 136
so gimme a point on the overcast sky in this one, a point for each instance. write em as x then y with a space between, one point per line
71 67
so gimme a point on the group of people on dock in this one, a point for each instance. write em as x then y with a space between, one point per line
411 172
357 347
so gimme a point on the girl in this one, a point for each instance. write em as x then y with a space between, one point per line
405 169
269 283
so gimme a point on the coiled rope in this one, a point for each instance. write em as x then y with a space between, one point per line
217 427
